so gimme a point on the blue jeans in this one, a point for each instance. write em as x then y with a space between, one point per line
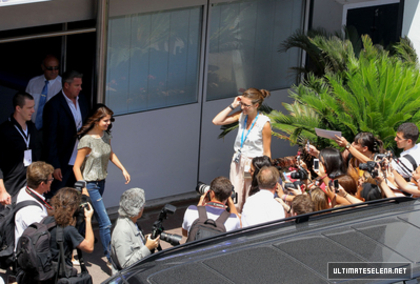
96 189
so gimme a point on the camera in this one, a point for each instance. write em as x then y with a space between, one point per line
300 174
158 229
79 214
294 185
203 188
371 167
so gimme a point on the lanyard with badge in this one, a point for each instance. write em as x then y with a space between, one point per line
238 155
27 154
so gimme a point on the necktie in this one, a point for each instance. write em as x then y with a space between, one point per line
42 101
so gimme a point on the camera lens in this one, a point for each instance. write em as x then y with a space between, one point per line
173 239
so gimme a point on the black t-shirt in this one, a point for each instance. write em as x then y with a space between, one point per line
72 239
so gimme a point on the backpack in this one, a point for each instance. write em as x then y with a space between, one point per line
33 251
7 232
204 227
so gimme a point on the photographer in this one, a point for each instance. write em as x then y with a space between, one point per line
216 201
65 203
128 244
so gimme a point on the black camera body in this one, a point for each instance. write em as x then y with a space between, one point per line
371 167
295 185
80 211
203 188
300 174
158 229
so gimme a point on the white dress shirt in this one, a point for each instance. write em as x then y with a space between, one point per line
77 115
35 87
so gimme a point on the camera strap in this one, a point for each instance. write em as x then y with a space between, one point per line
37 198
216 204
404 167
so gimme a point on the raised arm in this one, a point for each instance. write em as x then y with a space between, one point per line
342 142
223 117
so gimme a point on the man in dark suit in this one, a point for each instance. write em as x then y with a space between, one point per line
63 117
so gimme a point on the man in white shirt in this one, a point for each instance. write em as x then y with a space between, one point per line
44 87
406 138
220 195
39 179
262 207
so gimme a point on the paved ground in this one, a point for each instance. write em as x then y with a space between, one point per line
95 261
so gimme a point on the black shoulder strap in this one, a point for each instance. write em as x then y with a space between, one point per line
25 203
412 161
62 257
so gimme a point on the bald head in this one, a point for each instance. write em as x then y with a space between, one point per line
50 67
268 178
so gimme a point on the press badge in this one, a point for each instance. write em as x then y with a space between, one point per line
27 158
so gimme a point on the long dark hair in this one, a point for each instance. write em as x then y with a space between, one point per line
258 163
366 139
98 112
333 162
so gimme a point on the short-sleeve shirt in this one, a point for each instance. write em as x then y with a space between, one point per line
191 214
29 214
253 145
261 208
95 165
72 239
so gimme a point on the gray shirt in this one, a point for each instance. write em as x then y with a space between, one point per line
95 165
127 242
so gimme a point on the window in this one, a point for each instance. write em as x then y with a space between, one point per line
244 40
153 60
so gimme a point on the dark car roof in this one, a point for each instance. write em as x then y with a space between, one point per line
296 251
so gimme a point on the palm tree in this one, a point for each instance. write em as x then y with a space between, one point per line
373 92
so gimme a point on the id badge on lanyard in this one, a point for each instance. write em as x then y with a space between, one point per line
237 157
27 154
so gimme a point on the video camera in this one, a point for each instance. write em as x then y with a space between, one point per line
158 229
203 188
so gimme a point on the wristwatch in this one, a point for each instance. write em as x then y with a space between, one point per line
348 146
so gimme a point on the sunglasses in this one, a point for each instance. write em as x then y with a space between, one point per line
51 68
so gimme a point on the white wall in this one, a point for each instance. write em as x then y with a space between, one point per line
163 163
411 22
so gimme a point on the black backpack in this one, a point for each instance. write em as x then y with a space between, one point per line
204 228
7 232
33 251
